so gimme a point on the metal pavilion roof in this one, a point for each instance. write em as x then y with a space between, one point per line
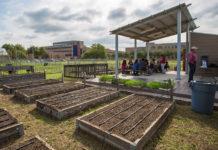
158 26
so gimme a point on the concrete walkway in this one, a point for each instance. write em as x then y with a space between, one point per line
182 86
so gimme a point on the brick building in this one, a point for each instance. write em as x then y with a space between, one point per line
207 45
158 47
66 50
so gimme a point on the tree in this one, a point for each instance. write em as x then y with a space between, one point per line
15 51
42 52
39 52
96 51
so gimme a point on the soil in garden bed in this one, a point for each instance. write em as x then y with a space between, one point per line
130 117
6 119
73 98
32 144
32 83
53 88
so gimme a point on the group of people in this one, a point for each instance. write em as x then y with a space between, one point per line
159 66
145 65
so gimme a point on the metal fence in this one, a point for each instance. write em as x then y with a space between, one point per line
91 70
54 67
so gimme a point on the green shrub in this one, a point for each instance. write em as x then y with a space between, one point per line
123 81
136 83
165 85
106 78
114 81
154 85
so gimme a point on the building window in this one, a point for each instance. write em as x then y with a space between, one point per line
68 55
159 47
174 46
183 46
153 47
167 47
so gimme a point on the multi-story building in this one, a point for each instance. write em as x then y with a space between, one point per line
66 49
158 47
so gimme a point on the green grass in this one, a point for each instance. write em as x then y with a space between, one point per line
183 129
54 69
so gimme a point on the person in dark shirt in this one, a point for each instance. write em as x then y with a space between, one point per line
142 65
135 67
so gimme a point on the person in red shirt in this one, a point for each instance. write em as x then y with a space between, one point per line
123 66
192 60
163 63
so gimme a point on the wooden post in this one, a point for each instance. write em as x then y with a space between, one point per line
62 76
106 68
118 86
84 79
171 83
45 74
94 71
171 92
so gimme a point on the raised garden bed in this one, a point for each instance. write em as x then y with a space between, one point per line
65 105
128 123
15 78
35 143
10 88
9 127
31 94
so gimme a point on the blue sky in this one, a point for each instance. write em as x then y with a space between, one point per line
42 22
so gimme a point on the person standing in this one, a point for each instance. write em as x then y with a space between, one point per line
163 63
192 60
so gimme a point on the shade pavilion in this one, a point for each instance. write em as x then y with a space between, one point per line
173 21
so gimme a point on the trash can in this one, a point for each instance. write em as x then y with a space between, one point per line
203 95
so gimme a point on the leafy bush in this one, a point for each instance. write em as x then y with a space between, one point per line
136 83
96 51
165 86
127 82
123 81
106 78
114 81
154 85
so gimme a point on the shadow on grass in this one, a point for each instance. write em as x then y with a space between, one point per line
15 100
203 120
154 140
185 114
91 141
44 117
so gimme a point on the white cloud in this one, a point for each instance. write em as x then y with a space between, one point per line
42 22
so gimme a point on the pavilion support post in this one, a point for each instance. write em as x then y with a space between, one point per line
135 49
148 52
117 62
116 55
178 43
187 48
